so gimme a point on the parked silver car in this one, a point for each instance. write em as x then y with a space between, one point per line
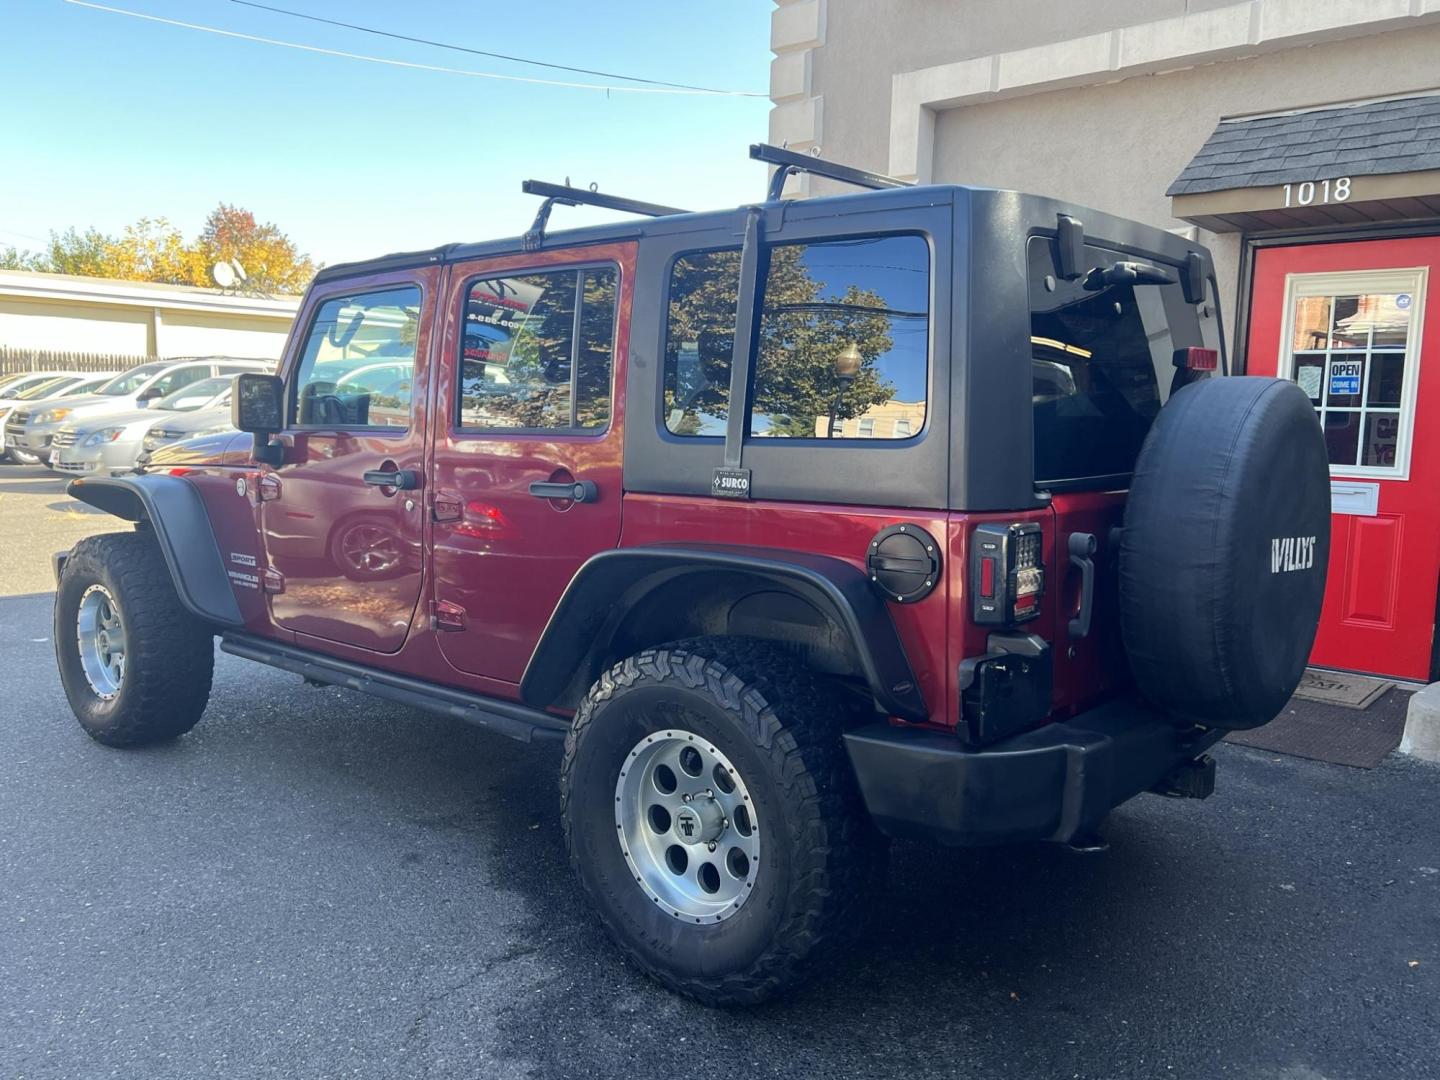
13 416
131 390
111 443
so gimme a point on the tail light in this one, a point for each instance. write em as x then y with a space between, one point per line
1007 576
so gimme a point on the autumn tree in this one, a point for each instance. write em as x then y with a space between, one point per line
270 259
86 254
153 249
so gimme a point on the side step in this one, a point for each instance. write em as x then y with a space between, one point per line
503 717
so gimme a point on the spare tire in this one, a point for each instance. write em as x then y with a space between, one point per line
1224 551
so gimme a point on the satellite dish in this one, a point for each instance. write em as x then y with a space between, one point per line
224 274
239 270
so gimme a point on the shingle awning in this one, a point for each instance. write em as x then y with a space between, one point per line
1378 161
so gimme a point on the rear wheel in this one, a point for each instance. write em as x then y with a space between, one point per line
135 664
712 817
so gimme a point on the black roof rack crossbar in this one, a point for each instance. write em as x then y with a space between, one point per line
565 195
790 162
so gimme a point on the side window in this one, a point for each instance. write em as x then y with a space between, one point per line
184 376
843 340
538 351
359 361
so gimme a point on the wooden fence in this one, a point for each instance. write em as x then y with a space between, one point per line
13 360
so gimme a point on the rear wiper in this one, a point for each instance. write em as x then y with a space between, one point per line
1127 273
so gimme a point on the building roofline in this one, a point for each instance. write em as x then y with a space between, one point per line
33 284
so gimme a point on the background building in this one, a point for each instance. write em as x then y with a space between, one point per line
56 320
1298 139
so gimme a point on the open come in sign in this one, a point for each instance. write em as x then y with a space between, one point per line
1345 377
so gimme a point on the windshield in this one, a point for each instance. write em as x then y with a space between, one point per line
16 387
85 386
130 381
39 390
194 395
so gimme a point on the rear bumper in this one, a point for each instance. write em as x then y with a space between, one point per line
1054 783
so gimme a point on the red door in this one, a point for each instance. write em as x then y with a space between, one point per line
347 546
526 468
1357 325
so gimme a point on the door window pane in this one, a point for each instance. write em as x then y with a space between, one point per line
1348 354
359 361
522 365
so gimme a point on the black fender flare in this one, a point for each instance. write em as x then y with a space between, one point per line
613 582
175 511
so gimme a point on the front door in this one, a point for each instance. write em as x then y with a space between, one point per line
526 477
1357 325
343 517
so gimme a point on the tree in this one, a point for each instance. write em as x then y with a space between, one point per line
270 258
15 259
153 250
86 254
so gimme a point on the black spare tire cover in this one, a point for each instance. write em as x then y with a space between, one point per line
1224 551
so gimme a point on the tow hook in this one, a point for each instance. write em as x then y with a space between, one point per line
1195 779
1087 843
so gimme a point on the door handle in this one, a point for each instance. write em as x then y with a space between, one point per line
399 479
1082 549
575 490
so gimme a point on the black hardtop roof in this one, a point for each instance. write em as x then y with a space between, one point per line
729 223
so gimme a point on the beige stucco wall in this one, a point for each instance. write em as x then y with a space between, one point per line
1118 146
198 334
74 327
61 313
1116 143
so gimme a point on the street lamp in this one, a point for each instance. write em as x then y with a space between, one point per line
847 367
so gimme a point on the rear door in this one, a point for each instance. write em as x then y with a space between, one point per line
1103 364
526 475
345 544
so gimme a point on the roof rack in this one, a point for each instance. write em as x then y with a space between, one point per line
791 162
565 195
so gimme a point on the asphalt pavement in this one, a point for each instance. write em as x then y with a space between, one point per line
316 884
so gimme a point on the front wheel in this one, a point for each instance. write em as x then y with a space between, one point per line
712 817
23 457
135 664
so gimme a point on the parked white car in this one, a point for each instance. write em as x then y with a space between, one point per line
13 417
131 390
109 444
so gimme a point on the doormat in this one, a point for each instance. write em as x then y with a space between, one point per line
1339 734
1341 688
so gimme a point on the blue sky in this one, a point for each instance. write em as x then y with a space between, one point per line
109 119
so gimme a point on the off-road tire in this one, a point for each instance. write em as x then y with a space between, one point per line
780 724
169 653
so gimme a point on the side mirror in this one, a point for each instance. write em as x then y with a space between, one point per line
145 397
257 405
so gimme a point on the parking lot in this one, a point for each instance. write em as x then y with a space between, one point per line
315 884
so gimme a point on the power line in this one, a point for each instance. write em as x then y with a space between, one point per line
494 55
407 63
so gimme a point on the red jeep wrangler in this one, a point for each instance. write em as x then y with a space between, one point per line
913 512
